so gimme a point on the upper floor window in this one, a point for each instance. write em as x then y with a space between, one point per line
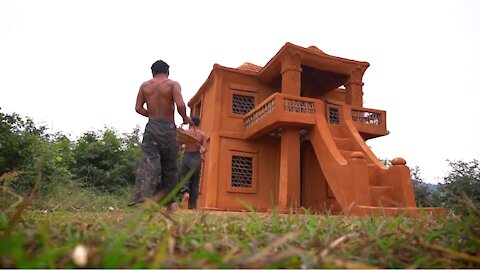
242 104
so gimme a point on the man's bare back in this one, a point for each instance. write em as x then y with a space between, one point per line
160 94
157 169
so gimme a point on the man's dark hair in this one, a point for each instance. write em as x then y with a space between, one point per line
160 67
196 121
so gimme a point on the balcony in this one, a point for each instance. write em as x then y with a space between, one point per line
370 123
279 110
286 110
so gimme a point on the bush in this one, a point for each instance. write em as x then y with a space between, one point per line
26 148
106 161
101 160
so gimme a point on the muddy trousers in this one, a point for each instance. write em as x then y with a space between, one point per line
157 170
192 163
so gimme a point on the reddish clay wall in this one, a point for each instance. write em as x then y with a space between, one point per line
207 114
265 182
240 84
227 142
314 185
315 192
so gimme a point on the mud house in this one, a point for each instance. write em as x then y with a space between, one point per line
293 134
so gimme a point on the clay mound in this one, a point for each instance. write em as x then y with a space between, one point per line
249 67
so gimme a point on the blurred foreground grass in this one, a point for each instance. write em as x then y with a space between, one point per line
149 237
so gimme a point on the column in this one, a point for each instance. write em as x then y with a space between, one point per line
289 178
354 91
291 71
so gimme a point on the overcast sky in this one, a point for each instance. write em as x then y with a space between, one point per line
77 65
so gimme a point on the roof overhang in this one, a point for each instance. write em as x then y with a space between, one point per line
311 57
215 70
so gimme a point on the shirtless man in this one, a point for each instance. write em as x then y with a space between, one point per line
157 170
192 161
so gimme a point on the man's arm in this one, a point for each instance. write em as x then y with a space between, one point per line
139 104
203 146
204 142
178 99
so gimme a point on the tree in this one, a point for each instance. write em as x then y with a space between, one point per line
425 196
20 141
23 149
106 161
462 181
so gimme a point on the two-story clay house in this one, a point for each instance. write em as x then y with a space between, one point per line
292 134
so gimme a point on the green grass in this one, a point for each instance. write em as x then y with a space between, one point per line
44 232
149 237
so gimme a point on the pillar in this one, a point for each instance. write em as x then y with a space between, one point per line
289 182
353 88
289 177
399 178
291 71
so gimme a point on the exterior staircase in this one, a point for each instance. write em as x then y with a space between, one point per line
361 184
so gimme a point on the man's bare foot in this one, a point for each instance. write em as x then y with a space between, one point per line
185 198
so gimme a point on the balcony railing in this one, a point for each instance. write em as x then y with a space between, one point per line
366 116
257 114
286 110
369 122
297 105
278 110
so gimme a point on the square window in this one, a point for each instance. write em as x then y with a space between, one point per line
242 173
242 104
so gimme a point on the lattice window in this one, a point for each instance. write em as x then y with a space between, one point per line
242 104
333 115
242 172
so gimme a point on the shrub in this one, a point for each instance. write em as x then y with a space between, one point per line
105 160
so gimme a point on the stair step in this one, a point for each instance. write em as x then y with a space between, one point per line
374 174
346 153
346 143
